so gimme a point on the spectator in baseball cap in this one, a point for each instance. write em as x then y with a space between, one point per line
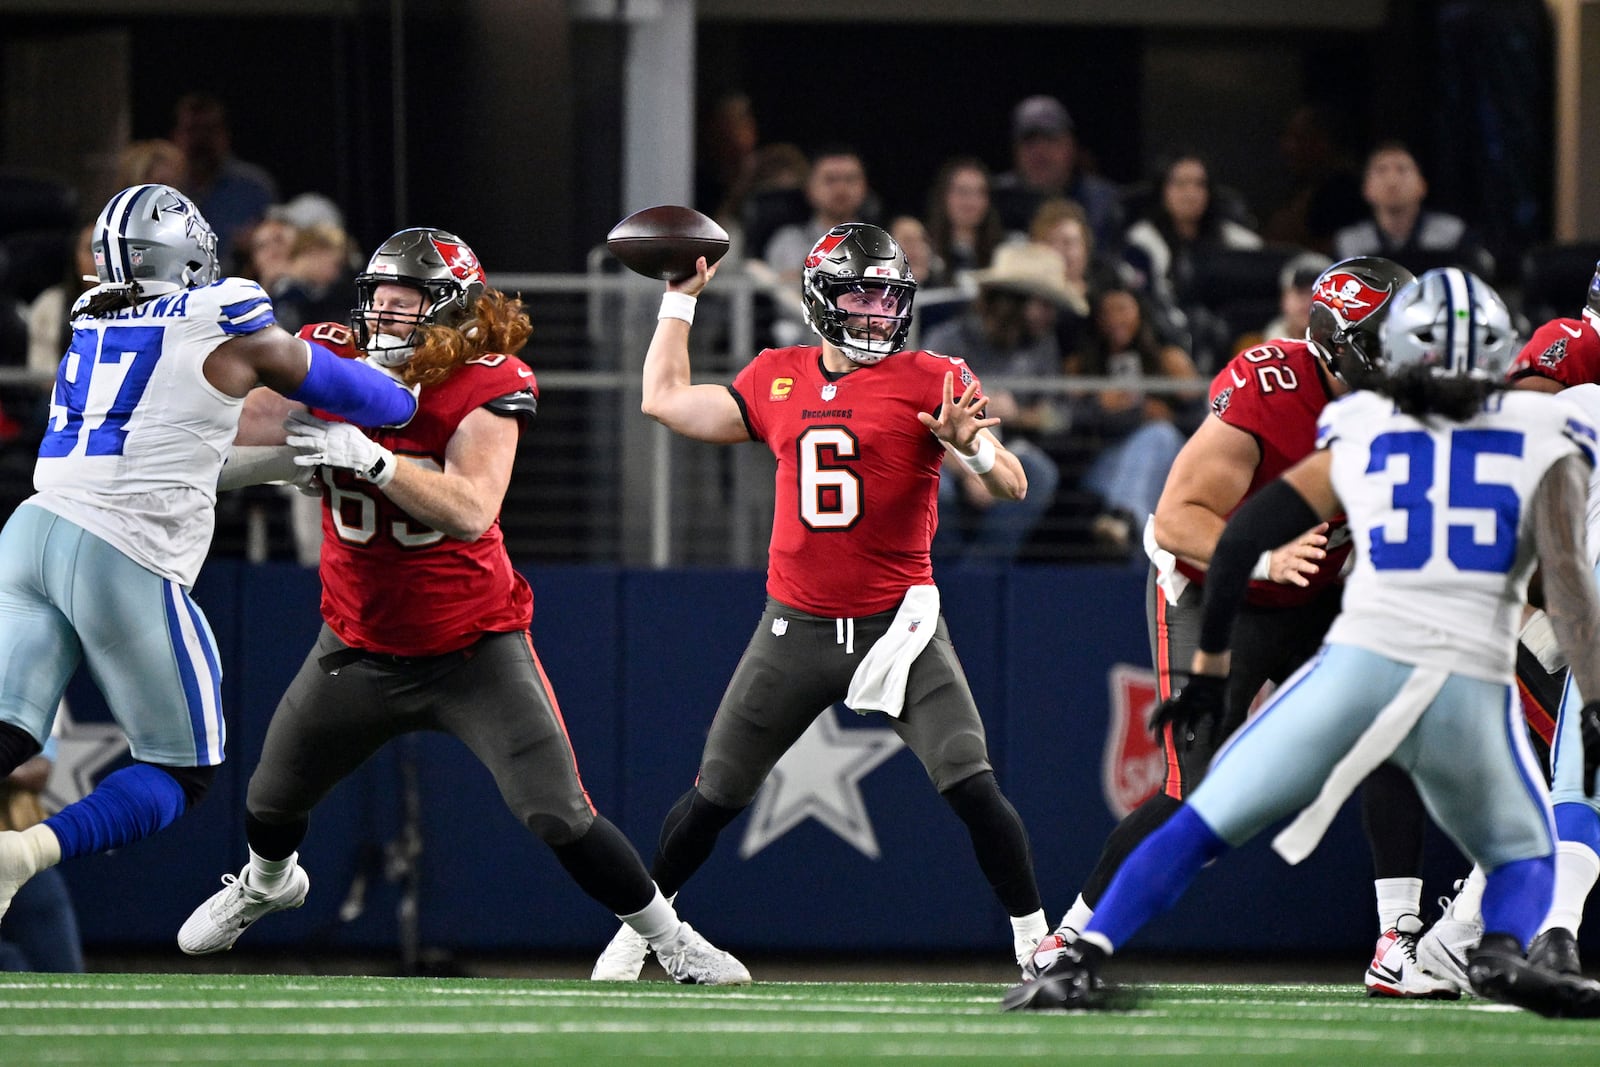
1044 153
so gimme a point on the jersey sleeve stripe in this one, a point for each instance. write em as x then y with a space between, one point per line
248 317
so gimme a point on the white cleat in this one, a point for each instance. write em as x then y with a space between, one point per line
1394 971
1443 950
1047 951
692 960
622 959
217 924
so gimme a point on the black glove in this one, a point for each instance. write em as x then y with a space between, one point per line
1198 705
1589 720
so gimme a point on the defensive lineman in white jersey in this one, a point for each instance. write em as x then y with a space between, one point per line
96 566
1453 491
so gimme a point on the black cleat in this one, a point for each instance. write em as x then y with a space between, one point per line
1070 983
1556 950
1498 972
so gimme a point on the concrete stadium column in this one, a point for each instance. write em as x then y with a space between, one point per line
657 168
1576 210
658 104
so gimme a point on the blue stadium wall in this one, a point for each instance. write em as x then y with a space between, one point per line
638 660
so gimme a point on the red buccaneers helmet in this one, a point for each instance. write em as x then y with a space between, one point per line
857 257
439 264
1349 303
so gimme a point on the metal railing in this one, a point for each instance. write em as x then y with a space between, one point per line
596 481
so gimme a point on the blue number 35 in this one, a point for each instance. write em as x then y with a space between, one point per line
128 356
1466 492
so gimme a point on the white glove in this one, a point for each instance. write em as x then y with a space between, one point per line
339 444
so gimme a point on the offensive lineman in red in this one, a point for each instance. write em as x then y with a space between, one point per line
1264 408
859 429
425 621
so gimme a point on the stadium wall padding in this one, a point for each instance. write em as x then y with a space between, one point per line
639 660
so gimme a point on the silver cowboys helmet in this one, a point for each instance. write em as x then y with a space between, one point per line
1452 321
1349 302
151 238
434 261
856 257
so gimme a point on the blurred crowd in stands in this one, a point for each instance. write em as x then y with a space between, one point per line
1040 274
1048 272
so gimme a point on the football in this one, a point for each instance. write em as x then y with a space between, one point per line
664 242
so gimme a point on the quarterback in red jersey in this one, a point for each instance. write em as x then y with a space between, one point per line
1264 409
859 429
426 622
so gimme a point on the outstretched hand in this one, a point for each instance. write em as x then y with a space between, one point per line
1198 705
959 420
1295 562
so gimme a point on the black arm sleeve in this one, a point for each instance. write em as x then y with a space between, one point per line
1274 516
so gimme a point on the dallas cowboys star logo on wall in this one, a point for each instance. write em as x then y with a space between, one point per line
820 778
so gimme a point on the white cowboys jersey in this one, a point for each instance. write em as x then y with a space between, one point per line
1586 398
137 436
1439 514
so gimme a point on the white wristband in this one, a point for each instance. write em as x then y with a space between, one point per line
1263 568
981 461
1540 637
677 306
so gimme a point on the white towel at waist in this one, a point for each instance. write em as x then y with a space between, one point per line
1169 579
1377 743
879 683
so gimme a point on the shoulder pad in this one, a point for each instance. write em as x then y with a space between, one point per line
521 404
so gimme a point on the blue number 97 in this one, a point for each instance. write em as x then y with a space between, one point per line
130 354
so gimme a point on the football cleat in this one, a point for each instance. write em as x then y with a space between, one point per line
1394 971
1498 972
1070 982
692 960
1047 951
1556 950
217 924
1443 949
622 959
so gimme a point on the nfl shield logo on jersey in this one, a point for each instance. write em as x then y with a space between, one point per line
1132 769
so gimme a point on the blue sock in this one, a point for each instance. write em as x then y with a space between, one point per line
126 806
1516 897
1580 823
1155 875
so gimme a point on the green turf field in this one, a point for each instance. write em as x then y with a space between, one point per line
252 1019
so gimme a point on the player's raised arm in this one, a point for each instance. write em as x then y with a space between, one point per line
308 372
703 412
